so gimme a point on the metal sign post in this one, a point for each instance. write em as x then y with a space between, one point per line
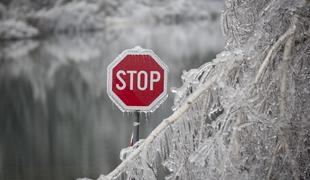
136 127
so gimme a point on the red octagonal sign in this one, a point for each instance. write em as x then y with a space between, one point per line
137 80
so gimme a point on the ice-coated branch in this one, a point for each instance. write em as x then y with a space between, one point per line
166 122
283 87
271 53
275 47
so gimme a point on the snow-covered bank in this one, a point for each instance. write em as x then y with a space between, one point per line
246 115
12 30
81 15
71 17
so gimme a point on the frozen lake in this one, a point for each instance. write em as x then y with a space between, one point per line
56 119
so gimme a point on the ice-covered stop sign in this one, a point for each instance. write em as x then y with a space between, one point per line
137 80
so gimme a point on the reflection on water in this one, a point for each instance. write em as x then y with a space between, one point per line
56 120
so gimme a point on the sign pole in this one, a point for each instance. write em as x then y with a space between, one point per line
136 126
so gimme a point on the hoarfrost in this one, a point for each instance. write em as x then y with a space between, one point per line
245 115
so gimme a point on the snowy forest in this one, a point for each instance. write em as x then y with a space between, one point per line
239 80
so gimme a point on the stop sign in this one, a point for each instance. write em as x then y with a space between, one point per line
137 80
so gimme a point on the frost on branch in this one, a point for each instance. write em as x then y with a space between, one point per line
246 114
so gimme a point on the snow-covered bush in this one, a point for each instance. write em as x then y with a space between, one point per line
246 115
168 11
71 17
12 29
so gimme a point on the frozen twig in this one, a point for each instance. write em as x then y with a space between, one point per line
271 53
283 85
273 159
282 144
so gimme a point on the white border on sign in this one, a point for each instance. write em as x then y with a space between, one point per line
120 104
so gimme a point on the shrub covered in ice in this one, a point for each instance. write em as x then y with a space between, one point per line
246 115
